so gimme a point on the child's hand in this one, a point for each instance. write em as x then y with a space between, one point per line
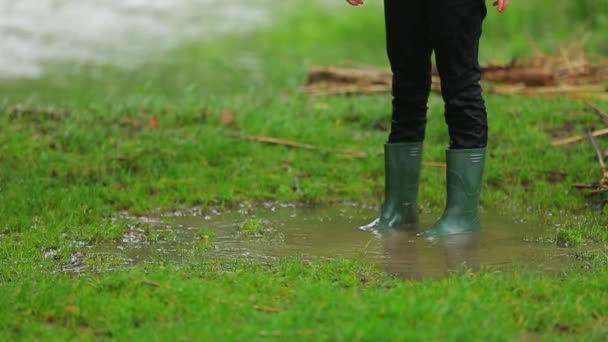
501 5
355 2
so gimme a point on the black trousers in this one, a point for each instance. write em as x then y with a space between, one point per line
452 29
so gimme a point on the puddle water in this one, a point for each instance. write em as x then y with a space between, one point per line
121 32
312 234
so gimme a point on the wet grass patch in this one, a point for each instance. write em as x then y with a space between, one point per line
148 301
158 139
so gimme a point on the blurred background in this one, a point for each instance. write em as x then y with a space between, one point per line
35 33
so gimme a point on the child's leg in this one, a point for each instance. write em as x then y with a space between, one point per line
409 51
455 33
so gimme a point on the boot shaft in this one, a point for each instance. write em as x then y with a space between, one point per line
402 163
464 177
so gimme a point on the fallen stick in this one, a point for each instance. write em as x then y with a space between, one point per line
597 192
570 76
579 138
295 144
598 152
329 90
600 157
266 309
298 145
584 186
440 165
600 112
573 91
150 283
600 187
361 75
530 76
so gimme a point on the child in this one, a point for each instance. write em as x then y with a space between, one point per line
452 29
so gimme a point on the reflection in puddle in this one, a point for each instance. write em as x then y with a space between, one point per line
333 233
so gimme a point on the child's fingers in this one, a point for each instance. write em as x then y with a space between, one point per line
355 2
501 5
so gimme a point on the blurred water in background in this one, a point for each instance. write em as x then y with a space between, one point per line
34 32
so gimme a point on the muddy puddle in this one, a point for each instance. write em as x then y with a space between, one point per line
333 233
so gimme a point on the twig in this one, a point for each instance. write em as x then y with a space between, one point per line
298 145
295 144
578 92
603 184
579 138
584 186
598 152
597 192
266 309
441 165
600 112
534 46
346 90
150 283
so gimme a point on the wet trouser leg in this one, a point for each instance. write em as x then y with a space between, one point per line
409 51
452 28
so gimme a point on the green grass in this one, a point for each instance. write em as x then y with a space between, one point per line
550 25
77 147
296 300
253 227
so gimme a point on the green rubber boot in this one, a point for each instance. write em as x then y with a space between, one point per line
402 162
464 176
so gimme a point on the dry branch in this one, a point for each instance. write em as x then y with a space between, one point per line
440 165
579 138
342 81
529 76
600 158
298 145
150 283
598 191
266 309
570 73
366 75
597 150
601 186
584 186
600 112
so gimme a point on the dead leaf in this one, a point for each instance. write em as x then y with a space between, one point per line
153 122
226 118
